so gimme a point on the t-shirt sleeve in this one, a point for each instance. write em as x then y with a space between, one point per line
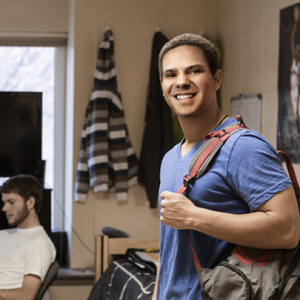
40 253
255 171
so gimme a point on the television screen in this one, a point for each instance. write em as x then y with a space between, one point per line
20 132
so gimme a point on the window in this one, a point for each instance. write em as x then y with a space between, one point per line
42 69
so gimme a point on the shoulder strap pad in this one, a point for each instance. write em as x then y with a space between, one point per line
213 142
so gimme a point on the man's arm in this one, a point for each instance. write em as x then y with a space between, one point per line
28 291
274 225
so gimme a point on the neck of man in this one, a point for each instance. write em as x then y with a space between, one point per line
31 221
196 128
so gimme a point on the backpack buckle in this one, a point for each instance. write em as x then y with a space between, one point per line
241 121
220 135
187 180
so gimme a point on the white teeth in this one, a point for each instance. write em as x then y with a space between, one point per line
182 97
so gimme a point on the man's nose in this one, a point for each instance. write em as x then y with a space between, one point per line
4 208
182 80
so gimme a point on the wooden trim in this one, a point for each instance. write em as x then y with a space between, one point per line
105 247
33 38
113 246
105 253
32 42
120 245
71 280
98 257
68 276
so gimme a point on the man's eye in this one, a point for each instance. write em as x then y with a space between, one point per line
195 71
170 75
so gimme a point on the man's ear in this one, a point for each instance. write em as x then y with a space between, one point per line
218 79
30 203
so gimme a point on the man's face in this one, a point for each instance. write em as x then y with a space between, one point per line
15 209
187 83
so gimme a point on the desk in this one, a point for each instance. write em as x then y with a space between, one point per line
67 276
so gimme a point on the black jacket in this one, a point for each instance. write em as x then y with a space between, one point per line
158 135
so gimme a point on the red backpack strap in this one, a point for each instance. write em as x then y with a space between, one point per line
212 143
284 157
199 163
196 260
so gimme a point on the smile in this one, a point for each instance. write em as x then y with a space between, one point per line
184 97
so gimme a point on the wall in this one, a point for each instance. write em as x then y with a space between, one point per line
249 34
34 15
133 23
64 292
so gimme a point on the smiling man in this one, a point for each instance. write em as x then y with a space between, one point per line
26 251
245 198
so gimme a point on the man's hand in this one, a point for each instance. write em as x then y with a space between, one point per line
176 210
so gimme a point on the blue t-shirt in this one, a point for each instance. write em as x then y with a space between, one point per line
244 174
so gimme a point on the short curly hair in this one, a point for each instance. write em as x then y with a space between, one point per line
189 39
25 186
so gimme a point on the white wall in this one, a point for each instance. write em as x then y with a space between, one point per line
133 23
34 15
249 34
248 31
69 292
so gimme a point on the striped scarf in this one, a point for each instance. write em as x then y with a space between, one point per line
107 160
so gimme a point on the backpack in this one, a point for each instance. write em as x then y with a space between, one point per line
248 273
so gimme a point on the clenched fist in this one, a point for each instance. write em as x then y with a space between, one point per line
177 211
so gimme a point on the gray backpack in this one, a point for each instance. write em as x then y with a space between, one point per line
248 273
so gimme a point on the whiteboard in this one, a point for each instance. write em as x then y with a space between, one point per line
249 107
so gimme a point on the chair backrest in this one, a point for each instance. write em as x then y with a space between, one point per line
50 276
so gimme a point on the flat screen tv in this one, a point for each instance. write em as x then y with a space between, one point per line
20 132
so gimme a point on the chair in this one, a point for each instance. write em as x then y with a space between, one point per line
49 278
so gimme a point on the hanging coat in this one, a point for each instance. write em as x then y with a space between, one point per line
107 160
158 136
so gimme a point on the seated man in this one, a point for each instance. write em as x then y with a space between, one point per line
26 251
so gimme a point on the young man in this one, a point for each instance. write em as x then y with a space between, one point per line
26 251
245 198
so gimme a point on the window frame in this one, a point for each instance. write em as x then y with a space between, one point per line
59 42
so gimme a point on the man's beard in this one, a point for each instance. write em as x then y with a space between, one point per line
21 216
